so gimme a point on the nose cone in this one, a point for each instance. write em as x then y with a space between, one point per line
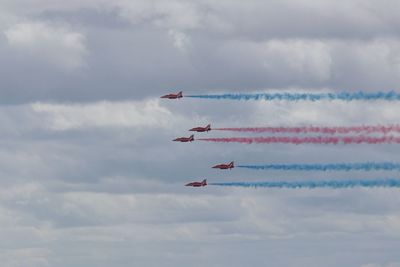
215 167
193 129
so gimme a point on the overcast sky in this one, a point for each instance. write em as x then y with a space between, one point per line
89 175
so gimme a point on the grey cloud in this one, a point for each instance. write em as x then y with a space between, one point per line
87 182
131 53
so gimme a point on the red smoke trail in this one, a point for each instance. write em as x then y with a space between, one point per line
315 129
360 139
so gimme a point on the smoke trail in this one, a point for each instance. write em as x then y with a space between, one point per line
307 140
365 166
345 96
317 184
315 129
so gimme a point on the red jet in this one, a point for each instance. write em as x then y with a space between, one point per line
185 139
224 166
197 184
173 96
201 129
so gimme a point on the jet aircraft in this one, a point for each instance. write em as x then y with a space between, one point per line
197 184
185 139
224 166
173 96
201 129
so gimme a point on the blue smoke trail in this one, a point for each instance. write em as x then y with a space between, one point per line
365 166
317 184
345 96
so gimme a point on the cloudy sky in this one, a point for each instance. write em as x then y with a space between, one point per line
89 175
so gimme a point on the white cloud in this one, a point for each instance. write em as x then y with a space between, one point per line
106 114
284 60
332 113
310 58
58 45
180 39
